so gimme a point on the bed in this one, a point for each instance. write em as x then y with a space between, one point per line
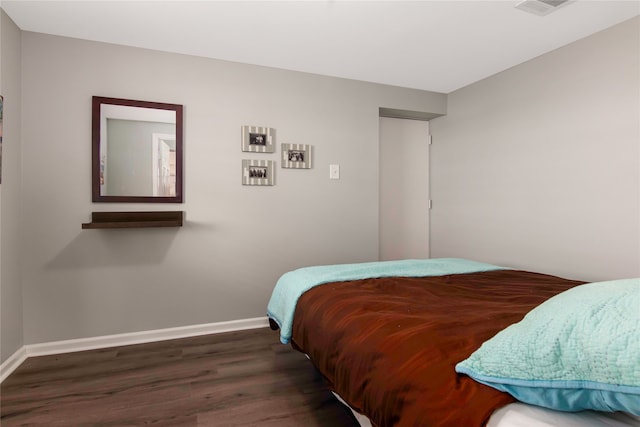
445 342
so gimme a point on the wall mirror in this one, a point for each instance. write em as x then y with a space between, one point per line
137 151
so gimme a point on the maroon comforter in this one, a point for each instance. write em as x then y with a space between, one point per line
388 346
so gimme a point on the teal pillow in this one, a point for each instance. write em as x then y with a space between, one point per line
578 350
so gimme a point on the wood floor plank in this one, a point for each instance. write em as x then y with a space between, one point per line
244 378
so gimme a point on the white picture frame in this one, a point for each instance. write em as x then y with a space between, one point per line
258 172
258 139
297 156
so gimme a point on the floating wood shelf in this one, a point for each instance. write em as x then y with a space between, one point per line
135 219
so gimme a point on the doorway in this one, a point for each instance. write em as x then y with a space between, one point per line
404 189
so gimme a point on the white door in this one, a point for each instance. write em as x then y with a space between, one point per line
404 189
161 164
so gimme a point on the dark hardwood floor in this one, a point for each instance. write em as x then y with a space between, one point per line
242 378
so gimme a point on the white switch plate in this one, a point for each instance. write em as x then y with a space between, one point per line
334 171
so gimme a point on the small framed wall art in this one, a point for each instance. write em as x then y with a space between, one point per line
297 156
258 139
258 172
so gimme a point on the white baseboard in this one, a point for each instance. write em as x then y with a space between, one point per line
12 363
106 341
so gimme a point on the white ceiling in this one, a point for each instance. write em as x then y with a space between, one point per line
433 45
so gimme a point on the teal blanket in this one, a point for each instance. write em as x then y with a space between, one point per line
293 284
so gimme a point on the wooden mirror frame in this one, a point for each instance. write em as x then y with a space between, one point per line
97 103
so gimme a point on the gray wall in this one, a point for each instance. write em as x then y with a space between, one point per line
237 239
11 328
538 167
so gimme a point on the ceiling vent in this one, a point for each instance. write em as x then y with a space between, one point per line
541 7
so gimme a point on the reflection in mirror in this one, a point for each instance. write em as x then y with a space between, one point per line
137 151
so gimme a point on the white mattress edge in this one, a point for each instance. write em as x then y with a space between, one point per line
522 415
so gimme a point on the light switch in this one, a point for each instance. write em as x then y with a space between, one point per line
334 171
